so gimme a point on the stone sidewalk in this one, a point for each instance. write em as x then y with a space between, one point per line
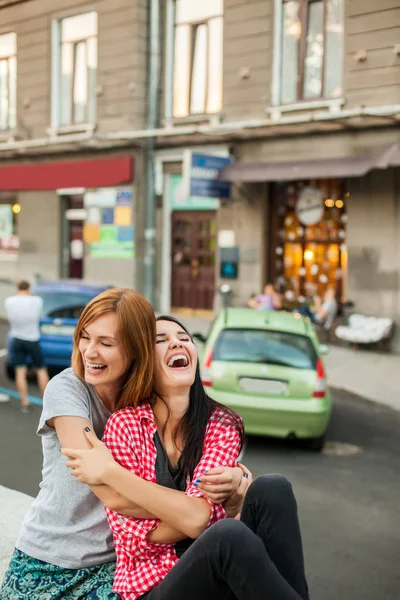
13 508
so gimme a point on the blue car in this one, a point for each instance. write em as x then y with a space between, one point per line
63 302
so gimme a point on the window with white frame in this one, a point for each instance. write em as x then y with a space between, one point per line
311 49
8 81
197 87
74 70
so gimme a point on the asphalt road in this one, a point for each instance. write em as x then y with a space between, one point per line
348 503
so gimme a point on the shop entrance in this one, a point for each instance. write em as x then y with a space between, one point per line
308 253
193 246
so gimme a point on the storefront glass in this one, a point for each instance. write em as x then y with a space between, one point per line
309 251
9 241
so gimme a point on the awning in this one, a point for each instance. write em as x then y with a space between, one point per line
350 166
389 157
98 172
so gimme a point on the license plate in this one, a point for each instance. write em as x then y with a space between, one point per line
263 386
58 330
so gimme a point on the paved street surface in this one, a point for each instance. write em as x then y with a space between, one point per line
348 503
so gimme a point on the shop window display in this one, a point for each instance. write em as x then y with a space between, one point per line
309 251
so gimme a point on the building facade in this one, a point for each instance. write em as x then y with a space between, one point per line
309 111
71 75
303 96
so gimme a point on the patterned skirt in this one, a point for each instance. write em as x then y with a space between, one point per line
29 578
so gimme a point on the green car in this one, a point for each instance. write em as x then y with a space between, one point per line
268 367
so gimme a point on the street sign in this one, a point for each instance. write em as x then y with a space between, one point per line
178 200
229 262
200 174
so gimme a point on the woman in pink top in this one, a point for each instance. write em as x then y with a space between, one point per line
269 300
182 543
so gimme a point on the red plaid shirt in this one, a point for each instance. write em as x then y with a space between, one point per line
141 565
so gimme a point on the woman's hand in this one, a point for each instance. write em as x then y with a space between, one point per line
234 504
220 484
89 466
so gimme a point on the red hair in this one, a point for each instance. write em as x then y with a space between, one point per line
137 331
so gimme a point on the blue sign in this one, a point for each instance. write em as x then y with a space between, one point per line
125 233
229 262
108 216
124 197
203 172
229 270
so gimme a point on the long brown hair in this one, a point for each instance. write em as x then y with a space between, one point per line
192 426
137 332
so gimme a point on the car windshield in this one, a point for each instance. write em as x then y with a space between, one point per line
265 347
63 305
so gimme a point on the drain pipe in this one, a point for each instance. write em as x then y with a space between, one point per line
153 86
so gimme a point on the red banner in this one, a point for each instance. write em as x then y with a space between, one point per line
99 172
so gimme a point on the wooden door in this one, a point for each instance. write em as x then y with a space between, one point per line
193 247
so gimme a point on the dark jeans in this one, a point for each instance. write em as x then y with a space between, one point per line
257 558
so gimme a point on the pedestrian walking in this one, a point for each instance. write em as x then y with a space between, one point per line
23 311
157 453
65 548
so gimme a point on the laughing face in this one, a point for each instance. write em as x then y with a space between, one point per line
104 358
176 357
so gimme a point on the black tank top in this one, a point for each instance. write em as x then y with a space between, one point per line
173 478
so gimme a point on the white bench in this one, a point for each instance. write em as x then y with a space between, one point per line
362 329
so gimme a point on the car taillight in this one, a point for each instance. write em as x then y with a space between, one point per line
320 387
206 371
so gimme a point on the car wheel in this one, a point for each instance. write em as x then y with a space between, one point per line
317 444
10 372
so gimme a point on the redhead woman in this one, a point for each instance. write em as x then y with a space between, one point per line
65 548
182 544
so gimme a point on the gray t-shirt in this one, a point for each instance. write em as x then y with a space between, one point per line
66 525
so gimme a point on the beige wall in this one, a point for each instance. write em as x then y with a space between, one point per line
119 272
121 77
8 269
374 26
39 234
248 46
246 213
248 57
370 25
373 240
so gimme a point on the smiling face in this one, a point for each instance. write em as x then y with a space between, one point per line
176 358
104 358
